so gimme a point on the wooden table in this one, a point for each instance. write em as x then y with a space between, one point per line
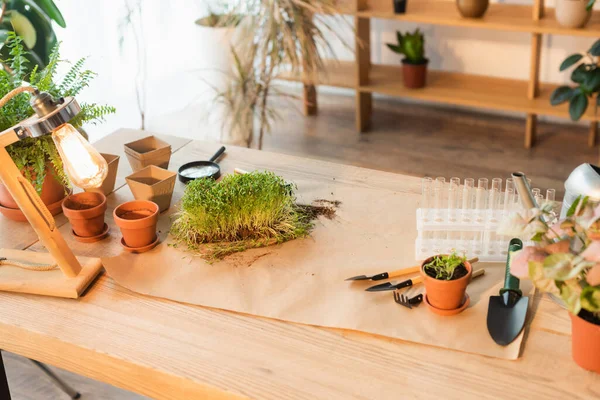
168 350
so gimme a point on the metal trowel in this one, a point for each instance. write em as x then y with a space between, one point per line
507 312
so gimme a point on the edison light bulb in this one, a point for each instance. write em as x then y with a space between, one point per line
85 167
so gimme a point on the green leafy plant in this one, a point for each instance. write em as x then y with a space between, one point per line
31 20
32 154
239 212
280 35
586 76
566 260
444 266
590 5
411 45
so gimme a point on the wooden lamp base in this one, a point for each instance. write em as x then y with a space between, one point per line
47 283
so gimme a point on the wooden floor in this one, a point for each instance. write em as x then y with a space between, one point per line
405 138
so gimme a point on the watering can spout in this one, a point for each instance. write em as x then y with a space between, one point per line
583 181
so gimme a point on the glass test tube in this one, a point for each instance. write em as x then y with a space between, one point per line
536 192
467 199
481 197
438 197
551 195
453 194
508 196
494 198
426 194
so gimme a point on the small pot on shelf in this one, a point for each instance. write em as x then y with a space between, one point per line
585 341
108 186
472 8
446 297
137 220
414 74
572 13
400 6
85 212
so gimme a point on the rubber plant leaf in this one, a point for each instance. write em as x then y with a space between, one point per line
45 34
52 11
579 73
24 28
560 95
577 106
569 61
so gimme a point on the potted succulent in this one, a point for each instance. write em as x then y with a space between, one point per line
414 64
446 278
586 77
573 13
472 8
38 158
566 263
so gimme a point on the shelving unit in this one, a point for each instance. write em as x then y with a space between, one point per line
530 97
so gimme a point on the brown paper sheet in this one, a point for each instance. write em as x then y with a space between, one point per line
302 281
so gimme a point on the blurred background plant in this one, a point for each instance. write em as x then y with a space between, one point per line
32 21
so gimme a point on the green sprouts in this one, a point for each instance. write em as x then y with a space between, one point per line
443 267
239 212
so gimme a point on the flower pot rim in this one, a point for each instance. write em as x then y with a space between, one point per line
161 145
112 157
407 62
87 213
139 223
136 175
467 265
583 320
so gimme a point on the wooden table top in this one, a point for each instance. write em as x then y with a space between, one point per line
168 350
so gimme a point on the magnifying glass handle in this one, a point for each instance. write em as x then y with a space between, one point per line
218 154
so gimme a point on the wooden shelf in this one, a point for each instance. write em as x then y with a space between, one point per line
448 88
504 17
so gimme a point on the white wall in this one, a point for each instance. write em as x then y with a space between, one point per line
174 56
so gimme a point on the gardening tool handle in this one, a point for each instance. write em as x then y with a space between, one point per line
510 281
217 154
416 280
477 273
398 272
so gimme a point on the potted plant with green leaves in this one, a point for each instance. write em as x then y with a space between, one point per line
446 278
38 158
585 76
566 263
414 64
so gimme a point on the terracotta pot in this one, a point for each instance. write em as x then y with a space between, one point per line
137 221
108 186
154 184
414 74
572 13
585 343
53 191
446 295
148 151
472 8
86 213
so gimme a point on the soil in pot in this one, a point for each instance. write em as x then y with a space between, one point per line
85 212
137 221
446 294
585 340
414 75
53 191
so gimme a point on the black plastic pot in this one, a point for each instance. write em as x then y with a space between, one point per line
400 6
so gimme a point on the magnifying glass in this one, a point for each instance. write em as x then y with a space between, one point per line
201 169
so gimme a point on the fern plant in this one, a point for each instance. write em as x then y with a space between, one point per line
31 155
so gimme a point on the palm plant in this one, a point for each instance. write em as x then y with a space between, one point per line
281 34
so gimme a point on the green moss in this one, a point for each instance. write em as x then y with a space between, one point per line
239 212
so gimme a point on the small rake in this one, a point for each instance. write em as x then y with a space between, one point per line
406 301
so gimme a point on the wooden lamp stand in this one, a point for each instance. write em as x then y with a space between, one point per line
28 271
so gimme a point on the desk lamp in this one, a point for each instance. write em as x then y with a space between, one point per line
58 273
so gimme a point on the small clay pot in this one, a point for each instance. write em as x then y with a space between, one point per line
53 191
86 213
572 13
137 221
585 345
472 8
148 151
446 295
415 75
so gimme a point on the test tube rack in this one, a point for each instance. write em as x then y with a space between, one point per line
464 218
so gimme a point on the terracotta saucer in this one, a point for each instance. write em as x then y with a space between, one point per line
92 239
139 250
17 215
439 311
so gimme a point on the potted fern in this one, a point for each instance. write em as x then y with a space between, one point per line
37 158
414 64
566 263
